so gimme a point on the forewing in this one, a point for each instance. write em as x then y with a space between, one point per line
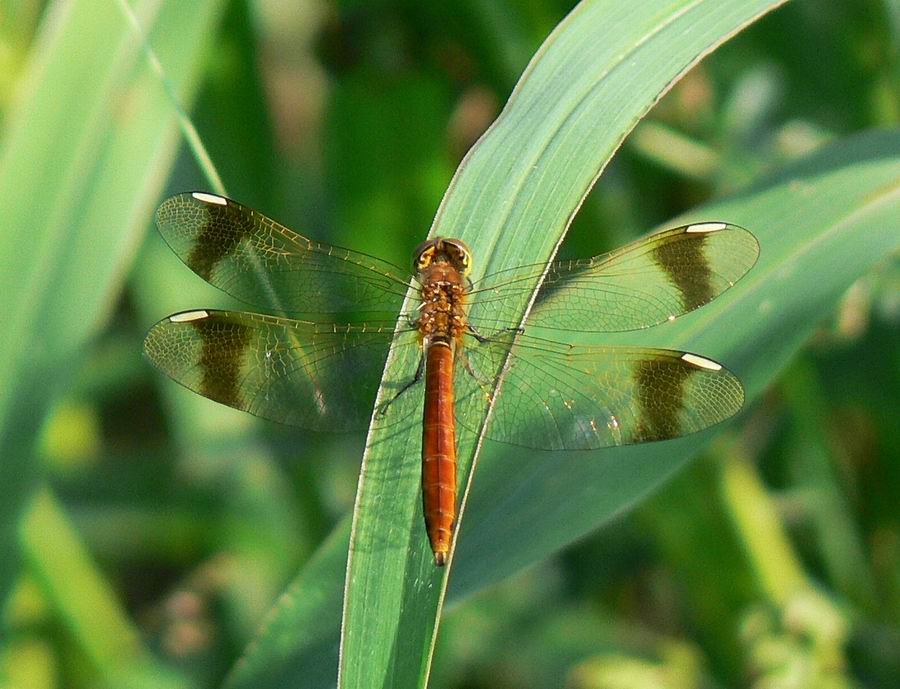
304 374
259 261
559 397
644 283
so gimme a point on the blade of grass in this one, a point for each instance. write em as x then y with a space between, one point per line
214 445
72 583
821 223
84 155
816 467
511 201
188 130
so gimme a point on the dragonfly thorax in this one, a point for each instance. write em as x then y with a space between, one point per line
443 312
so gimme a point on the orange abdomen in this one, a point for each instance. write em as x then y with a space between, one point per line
439 450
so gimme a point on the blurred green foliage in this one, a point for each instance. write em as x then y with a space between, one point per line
346 120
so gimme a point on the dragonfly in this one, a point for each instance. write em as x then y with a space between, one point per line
461 342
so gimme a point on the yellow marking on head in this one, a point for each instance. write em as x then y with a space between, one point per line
424 256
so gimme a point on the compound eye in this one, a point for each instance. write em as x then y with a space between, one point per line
461 253
424 254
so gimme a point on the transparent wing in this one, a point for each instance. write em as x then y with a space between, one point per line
637 286
316 376
259 261
562 397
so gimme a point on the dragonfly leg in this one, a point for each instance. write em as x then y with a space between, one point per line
483 382
482 339
420 371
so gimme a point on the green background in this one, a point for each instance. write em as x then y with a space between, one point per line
146 533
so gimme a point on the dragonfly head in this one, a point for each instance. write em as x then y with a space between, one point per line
443 250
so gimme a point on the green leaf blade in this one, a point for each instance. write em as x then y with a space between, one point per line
86 148
511 202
